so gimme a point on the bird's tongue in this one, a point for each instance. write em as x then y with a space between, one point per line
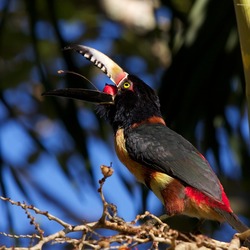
110 89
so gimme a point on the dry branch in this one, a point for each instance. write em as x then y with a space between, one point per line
127 235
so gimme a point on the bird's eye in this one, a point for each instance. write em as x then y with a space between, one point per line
126 85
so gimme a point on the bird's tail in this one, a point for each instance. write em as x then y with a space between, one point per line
233 220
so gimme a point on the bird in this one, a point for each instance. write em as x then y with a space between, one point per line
161 159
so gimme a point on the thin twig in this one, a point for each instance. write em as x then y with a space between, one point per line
126 234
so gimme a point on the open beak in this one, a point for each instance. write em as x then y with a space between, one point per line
104 63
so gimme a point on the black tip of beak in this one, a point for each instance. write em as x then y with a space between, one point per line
86 95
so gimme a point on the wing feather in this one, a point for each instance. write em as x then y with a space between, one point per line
158 147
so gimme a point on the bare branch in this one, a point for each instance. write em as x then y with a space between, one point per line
126 234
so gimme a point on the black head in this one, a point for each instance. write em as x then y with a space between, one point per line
134 102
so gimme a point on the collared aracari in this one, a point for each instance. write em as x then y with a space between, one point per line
158 157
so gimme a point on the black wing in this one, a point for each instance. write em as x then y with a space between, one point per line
158 147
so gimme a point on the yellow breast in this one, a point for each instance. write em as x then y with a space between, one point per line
134 167
155 180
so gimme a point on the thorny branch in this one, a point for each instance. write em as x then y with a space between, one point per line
127 235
